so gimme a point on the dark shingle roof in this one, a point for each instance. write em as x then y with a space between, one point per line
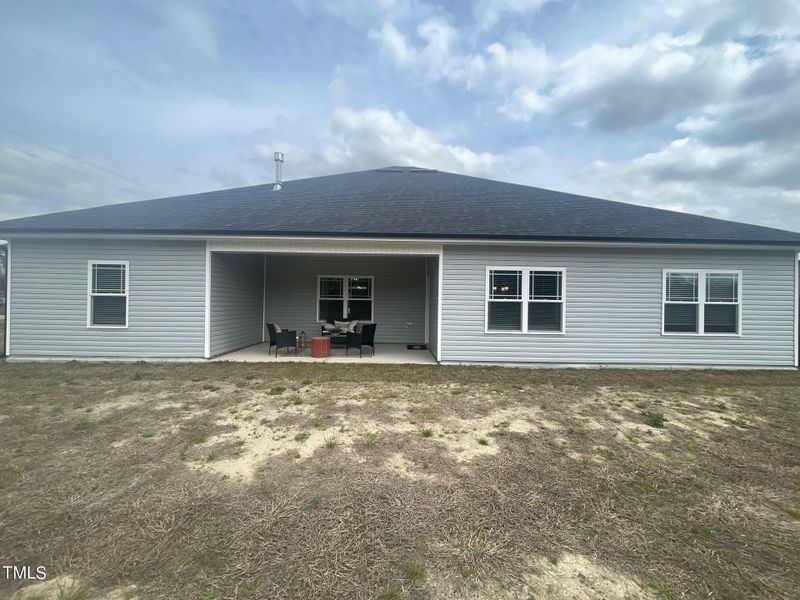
401 202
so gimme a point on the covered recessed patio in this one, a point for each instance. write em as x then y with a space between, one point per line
258 287
384 354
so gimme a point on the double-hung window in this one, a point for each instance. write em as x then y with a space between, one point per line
546 301
504 300
526 300
108 294
344 298
330 304
702 302
359 298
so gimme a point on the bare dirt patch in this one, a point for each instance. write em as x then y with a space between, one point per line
400 465
66 587
575 577
299 425
568 577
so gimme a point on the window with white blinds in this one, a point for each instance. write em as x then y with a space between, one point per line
525 300
504 300
108 294
546 301
702 302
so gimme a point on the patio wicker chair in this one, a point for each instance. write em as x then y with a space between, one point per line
359 340
284 339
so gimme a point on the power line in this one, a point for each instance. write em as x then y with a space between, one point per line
52 162
54 185
80 159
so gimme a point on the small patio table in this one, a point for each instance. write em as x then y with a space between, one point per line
320 347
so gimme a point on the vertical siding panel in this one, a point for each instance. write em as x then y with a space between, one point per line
613 307
236 301
166 299
398 296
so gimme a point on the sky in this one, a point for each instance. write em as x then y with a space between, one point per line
690 105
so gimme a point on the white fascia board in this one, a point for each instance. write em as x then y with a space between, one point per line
403 240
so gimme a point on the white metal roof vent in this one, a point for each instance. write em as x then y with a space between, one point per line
278 156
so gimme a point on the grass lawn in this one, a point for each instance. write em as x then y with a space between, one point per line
292 480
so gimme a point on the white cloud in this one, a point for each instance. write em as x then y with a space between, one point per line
689 159
603 85
395 44
671 64
489 12
617 87
374 137
751 164
521 60
721 19
377 137
747 183
436 57
694 124
440 57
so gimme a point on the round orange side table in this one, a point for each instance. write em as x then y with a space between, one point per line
320 347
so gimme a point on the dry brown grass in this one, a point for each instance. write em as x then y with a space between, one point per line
194 481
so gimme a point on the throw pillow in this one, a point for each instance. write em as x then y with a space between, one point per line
341 324
277 328
328 327
359 325
351 326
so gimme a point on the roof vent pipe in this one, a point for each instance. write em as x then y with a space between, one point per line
278 169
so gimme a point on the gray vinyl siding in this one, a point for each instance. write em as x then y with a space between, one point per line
433 304
398 296
236 301
613 308
49 299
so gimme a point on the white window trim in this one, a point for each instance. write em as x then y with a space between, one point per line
89 293
7 346
345 294
207 305
439 302
525 299
701 302
795 263
427 303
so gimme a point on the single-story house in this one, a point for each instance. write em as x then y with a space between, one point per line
481 271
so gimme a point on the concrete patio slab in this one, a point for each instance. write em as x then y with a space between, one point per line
384 354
